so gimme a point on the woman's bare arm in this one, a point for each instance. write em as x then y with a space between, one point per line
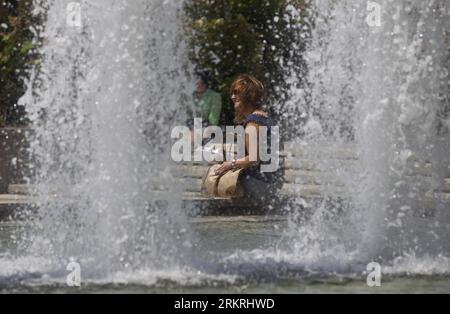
252 151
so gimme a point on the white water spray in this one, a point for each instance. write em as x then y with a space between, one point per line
102 105
381 91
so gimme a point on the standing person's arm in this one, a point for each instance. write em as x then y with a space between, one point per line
215 110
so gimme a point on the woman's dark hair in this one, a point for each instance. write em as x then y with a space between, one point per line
205 76
250 90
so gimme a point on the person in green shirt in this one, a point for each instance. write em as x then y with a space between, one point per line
207 103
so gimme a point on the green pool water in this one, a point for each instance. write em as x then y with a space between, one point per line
215 240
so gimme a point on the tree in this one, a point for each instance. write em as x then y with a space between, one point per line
15 57
259 37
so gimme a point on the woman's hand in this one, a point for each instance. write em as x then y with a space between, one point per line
226 166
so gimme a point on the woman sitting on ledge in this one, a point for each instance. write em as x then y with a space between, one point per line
247 94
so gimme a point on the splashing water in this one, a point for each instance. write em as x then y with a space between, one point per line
107 93
104 101
380 91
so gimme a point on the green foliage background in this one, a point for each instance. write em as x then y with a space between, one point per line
16 55
227 37
259 37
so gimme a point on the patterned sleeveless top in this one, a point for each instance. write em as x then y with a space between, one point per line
255 171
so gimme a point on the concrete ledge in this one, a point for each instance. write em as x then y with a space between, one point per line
245 219
12 199
20 189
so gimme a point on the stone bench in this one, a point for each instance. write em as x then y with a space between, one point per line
310 174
